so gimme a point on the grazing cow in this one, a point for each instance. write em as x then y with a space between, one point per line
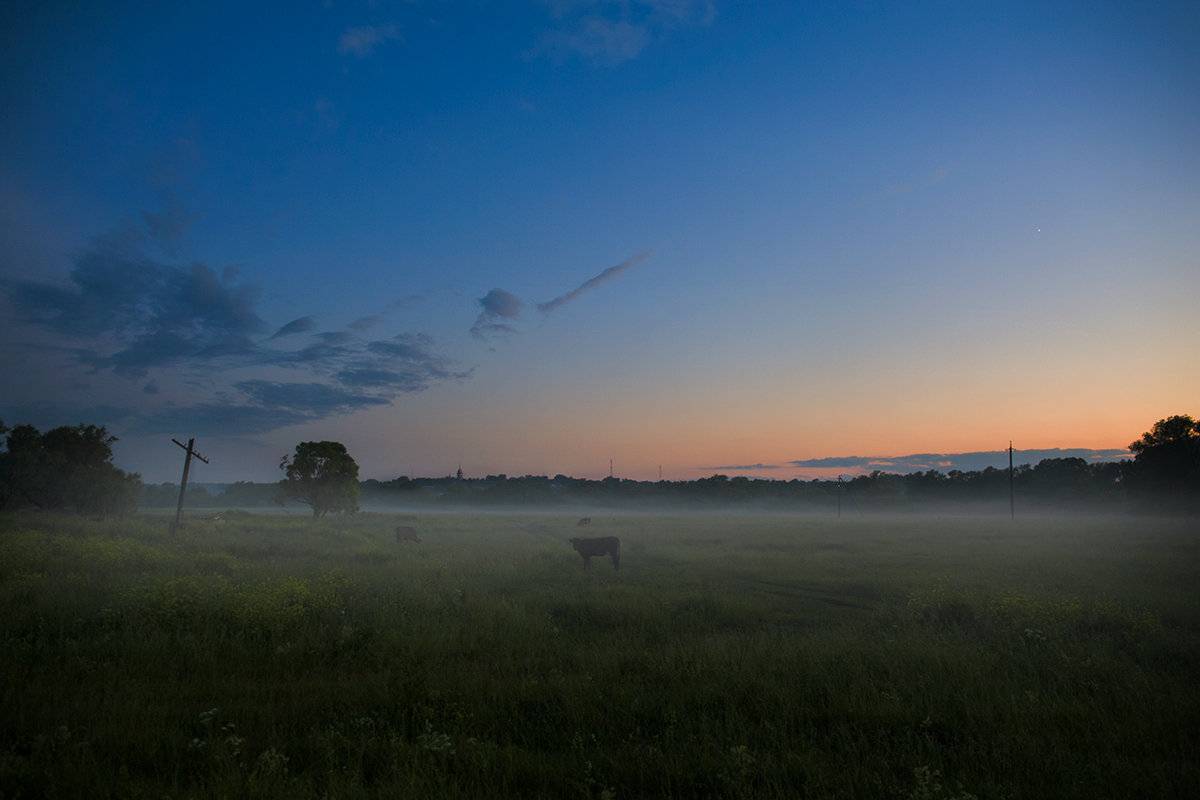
584 521
406 534
605 545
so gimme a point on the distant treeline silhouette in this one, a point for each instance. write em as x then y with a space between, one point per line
1066 483
70 468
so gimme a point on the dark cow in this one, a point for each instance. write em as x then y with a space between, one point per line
584 521
605 545
406 534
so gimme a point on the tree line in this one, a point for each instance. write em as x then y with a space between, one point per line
1058 482
70 468
1164 474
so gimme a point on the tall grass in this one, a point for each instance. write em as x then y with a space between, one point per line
730 657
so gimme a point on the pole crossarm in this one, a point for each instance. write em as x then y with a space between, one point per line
188 448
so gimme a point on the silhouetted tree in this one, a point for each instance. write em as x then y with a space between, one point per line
322 476
66 468
1166 466
1179 428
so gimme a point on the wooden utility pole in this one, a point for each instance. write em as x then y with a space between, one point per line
1012 506
187 465
839 494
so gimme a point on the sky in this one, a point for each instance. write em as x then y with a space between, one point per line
593 237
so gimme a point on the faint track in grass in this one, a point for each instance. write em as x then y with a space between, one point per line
802 591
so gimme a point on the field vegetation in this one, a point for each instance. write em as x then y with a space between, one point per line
731 656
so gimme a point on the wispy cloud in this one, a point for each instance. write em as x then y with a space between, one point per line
126 314
312 400
612 33
930 179
362 40
360 375
599 39
501 309
131 313
593 283
371 320
301 325
404 363
498 305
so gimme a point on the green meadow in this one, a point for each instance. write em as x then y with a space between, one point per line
731 656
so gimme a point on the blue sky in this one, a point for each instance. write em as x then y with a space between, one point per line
532 237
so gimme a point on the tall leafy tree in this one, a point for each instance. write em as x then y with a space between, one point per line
1166 465
66 468
322 476
1172 430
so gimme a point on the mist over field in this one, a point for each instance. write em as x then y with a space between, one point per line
731 655
1059 486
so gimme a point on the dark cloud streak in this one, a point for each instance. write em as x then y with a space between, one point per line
593 283
301 325
944 462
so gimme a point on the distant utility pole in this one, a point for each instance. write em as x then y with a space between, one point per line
610 472
839 494
187 464
1012 507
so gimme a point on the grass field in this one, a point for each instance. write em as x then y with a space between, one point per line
731 656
